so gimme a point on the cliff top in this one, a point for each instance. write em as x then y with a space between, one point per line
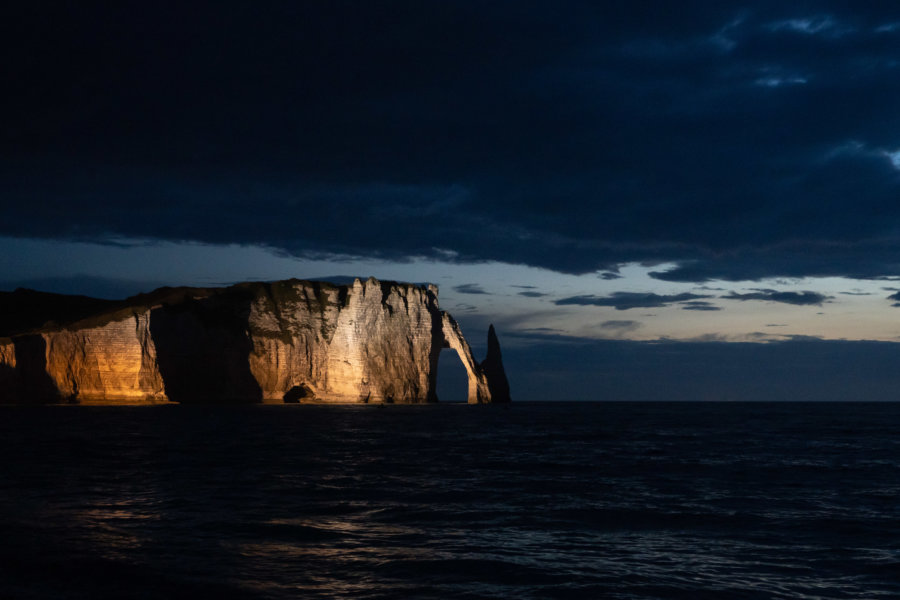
30 311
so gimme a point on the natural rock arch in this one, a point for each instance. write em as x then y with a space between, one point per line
452 380
487 380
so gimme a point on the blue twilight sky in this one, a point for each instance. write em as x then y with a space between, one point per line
656 199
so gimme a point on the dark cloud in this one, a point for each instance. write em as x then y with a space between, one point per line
541 330
469 288
864 260
620 326
628 300
532 294
700 305
609 275
465 308
804 338
739 143
895 298
796 298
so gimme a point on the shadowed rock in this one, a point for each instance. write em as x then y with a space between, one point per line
203 349
24 310
492 367
33 384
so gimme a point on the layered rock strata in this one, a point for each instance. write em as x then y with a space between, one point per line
287 341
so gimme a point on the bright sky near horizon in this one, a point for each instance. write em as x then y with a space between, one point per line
626 305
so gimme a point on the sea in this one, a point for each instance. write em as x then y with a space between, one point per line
625 500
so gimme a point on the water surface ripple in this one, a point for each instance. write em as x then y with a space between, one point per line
540 500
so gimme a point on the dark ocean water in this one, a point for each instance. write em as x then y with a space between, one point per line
543 500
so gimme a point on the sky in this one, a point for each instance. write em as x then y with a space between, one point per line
654 200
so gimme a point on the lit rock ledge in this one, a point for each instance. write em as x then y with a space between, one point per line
287 341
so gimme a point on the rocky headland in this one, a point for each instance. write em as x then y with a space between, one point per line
285 341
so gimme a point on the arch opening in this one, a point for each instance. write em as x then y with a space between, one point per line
452 379
298 394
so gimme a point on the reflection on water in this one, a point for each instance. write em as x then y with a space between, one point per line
353 543
537 501
111 528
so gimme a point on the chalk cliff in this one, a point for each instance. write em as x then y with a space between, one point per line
287 341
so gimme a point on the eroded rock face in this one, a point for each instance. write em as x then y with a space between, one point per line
288 341
115 362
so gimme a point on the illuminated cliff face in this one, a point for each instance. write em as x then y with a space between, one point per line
288 341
